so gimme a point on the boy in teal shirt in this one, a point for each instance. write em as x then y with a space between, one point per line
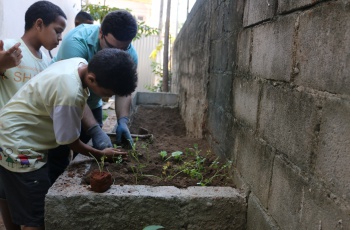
47 112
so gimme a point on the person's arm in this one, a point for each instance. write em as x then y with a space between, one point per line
122 110
79 147
9 58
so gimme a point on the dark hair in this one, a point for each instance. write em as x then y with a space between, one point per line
45 10
121 24
114 69
83 17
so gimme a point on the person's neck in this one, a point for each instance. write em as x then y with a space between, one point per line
83 71
33 44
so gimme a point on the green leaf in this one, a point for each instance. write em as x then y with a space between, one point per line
153 227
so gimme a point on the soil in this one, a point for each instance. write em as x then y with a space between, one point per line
145 166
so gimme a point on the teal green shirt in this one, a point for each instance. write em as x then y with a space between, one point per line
82 41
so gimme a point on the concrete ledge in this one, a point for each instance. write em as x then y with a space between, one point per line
163 99
70 205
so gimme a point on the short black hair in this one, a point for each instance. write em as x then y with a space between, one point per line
114 69
45 10
121 24
83 17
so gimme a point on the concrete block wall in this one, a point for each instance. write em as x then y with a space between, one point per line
270 89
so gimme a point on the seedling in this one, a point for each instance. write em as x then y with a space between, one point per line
100 164
176 155
163 154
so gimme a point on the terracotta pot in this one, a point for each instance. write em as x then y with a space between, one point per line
100 181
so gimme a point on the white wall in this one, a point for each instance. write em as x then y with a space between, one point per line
12 16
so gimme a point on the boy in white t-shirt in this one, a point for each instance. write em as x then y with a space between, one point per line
21 59
47 112
44 24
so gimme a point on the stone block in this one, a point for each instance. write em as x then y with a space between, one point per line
287 5
323 38
287 121
254 163
333 157
246 101
257 217
257 11
286 194
322 209
243 51
272 52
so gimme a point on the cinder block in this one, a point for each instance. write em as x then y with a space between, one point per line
257 217
254 163
163 99
287 5
272 53
286 194
332 160
257 11
323 40
322 209
243 51
288 119
246 101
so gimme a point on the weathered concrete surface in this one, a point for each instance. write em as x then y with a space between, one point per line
163 99
72 206
277 96
257 11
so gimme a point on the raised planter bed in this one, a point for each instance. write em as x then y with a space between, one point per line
72 205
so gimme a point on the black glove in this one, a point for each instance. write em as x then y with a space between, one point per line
100 140
123 131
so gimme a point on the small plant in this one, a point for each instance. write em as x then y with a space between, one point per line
100 164
163 154
176 155
153 227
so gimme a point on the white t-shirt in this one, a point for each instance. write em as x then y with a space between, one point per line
44 113
17 76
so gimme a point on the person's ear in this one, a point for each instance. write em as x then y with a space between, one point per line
39 24
91 79
100 34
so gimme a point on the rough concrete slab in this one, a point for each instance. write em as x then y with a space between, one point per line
288 120
286 196
332 160
257 217
254 162
71 206
272 52
246 101
257 11
164 99
287 5
323 42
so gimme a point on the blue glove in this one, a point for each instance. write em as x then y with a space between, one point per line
100 140
123 130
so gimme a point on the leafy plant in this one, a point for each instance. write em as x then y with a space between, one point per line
176 155
163 154
153 227
98 12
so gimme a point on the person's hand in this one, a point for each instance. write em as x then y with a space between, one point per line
123 131
11 57
112 154
100 140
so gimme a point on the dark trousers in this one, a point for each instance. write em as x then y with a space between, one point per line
58 158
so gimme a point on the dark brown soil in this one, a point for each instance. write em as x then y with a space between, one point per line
145 166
